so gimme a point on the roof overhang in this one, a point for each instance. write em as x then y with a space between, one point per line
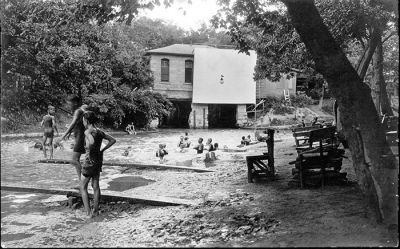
173 54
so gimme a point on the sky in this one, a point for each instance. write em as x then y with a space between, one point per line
185 15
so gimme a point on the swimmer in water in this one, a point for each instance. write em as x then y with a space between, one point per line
199 147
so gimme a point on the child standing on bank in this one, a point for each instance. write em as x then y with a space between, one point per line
161 152
49 124
93 162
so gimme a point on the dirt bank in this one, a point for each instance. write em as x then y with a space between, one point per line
232 213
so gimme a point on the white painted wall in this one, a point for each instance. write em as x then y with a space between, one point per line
237 69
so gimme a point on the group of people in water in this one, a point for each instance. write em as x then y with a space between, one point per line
183 145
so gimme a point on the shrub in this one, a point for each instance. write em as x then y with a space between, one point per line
301 100
283 109
275 121
280 106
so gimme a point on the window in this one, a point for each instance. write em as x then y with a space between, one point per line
188 71
164 70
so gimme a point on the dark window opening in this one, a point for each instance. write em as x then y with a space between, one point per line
179 115
188 71
164 70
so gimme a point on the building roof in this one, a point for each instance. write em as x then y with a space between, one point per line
178 49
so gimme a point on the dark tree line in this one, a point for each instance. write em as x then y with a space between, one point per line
54 48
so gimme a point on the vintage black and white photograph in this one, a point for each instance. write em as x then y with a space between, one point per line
199 123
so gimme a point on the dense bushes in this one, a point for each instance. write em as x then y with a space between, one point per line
300 100
280 106
49 56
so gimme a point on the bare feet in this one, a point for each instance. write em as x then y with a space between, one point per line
94 213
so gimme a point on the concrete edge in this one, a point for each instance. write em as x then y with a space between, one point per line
106 195
133 165
40 134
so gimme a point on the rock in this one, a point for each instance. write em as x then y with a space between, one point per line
224 230
38 145
161 234
198 215
239 231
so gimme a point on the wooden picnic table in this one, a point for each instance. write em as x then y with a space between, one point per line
303 133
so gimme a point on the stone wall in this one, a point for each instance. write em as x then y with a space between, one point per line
199 116
175 88
241 115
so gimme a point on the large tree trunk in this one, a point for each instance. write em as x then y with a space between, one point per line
377 175
380 95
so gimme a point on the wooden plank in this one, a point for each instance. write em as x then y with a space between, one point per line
301 134
258 157
306 128
132 165
259 165
105 195
233 150
262 163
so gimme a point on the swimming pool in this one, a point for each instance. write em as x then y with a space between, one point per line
19 160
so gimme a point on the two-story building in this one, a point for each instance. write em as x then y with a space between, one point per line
209 87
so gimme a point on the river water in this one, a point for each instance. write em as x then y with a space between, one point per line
19 161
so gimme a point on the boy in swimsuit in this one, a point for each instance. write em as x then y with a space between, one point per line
78 129
187 142
248 140
161 152
181 143
200 146
49 124
210 155
93 162
209 146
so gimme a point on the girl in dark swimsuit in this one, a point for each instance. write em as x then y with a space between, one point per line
93 162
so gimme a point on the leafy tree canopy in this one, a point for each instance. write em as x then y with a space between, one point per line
266 27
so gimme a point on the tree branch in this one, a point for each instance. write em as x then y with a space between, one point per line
365 59
389 35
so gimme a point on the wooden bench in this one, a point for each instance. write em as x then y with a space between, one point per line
302 133
256 167
390 125
321 157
